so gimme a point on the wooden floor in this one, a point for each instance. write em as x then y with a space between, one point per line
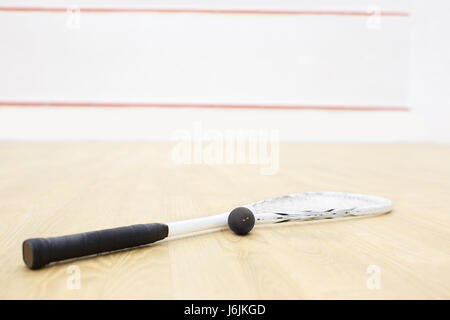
51 189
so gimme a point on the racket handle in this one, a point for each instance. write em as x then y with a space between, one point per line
38 252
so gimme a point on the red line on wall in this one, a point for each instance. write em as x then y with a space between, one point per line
199 105
210 11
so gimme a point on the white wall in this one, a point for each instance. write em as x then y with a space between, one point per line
166 58
430 67
204 58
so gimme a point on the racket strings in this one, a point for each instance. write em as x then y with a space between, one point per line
324 205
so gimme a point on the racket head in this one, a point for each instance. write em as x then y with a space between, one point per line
317 205
293 207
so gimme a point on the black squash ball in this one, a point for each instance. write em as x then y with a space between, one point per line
241 220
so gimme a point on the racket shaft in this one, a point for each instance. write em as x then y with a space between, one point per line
199 224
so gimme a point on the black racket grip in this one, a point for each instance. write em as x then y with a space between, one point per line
38 252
